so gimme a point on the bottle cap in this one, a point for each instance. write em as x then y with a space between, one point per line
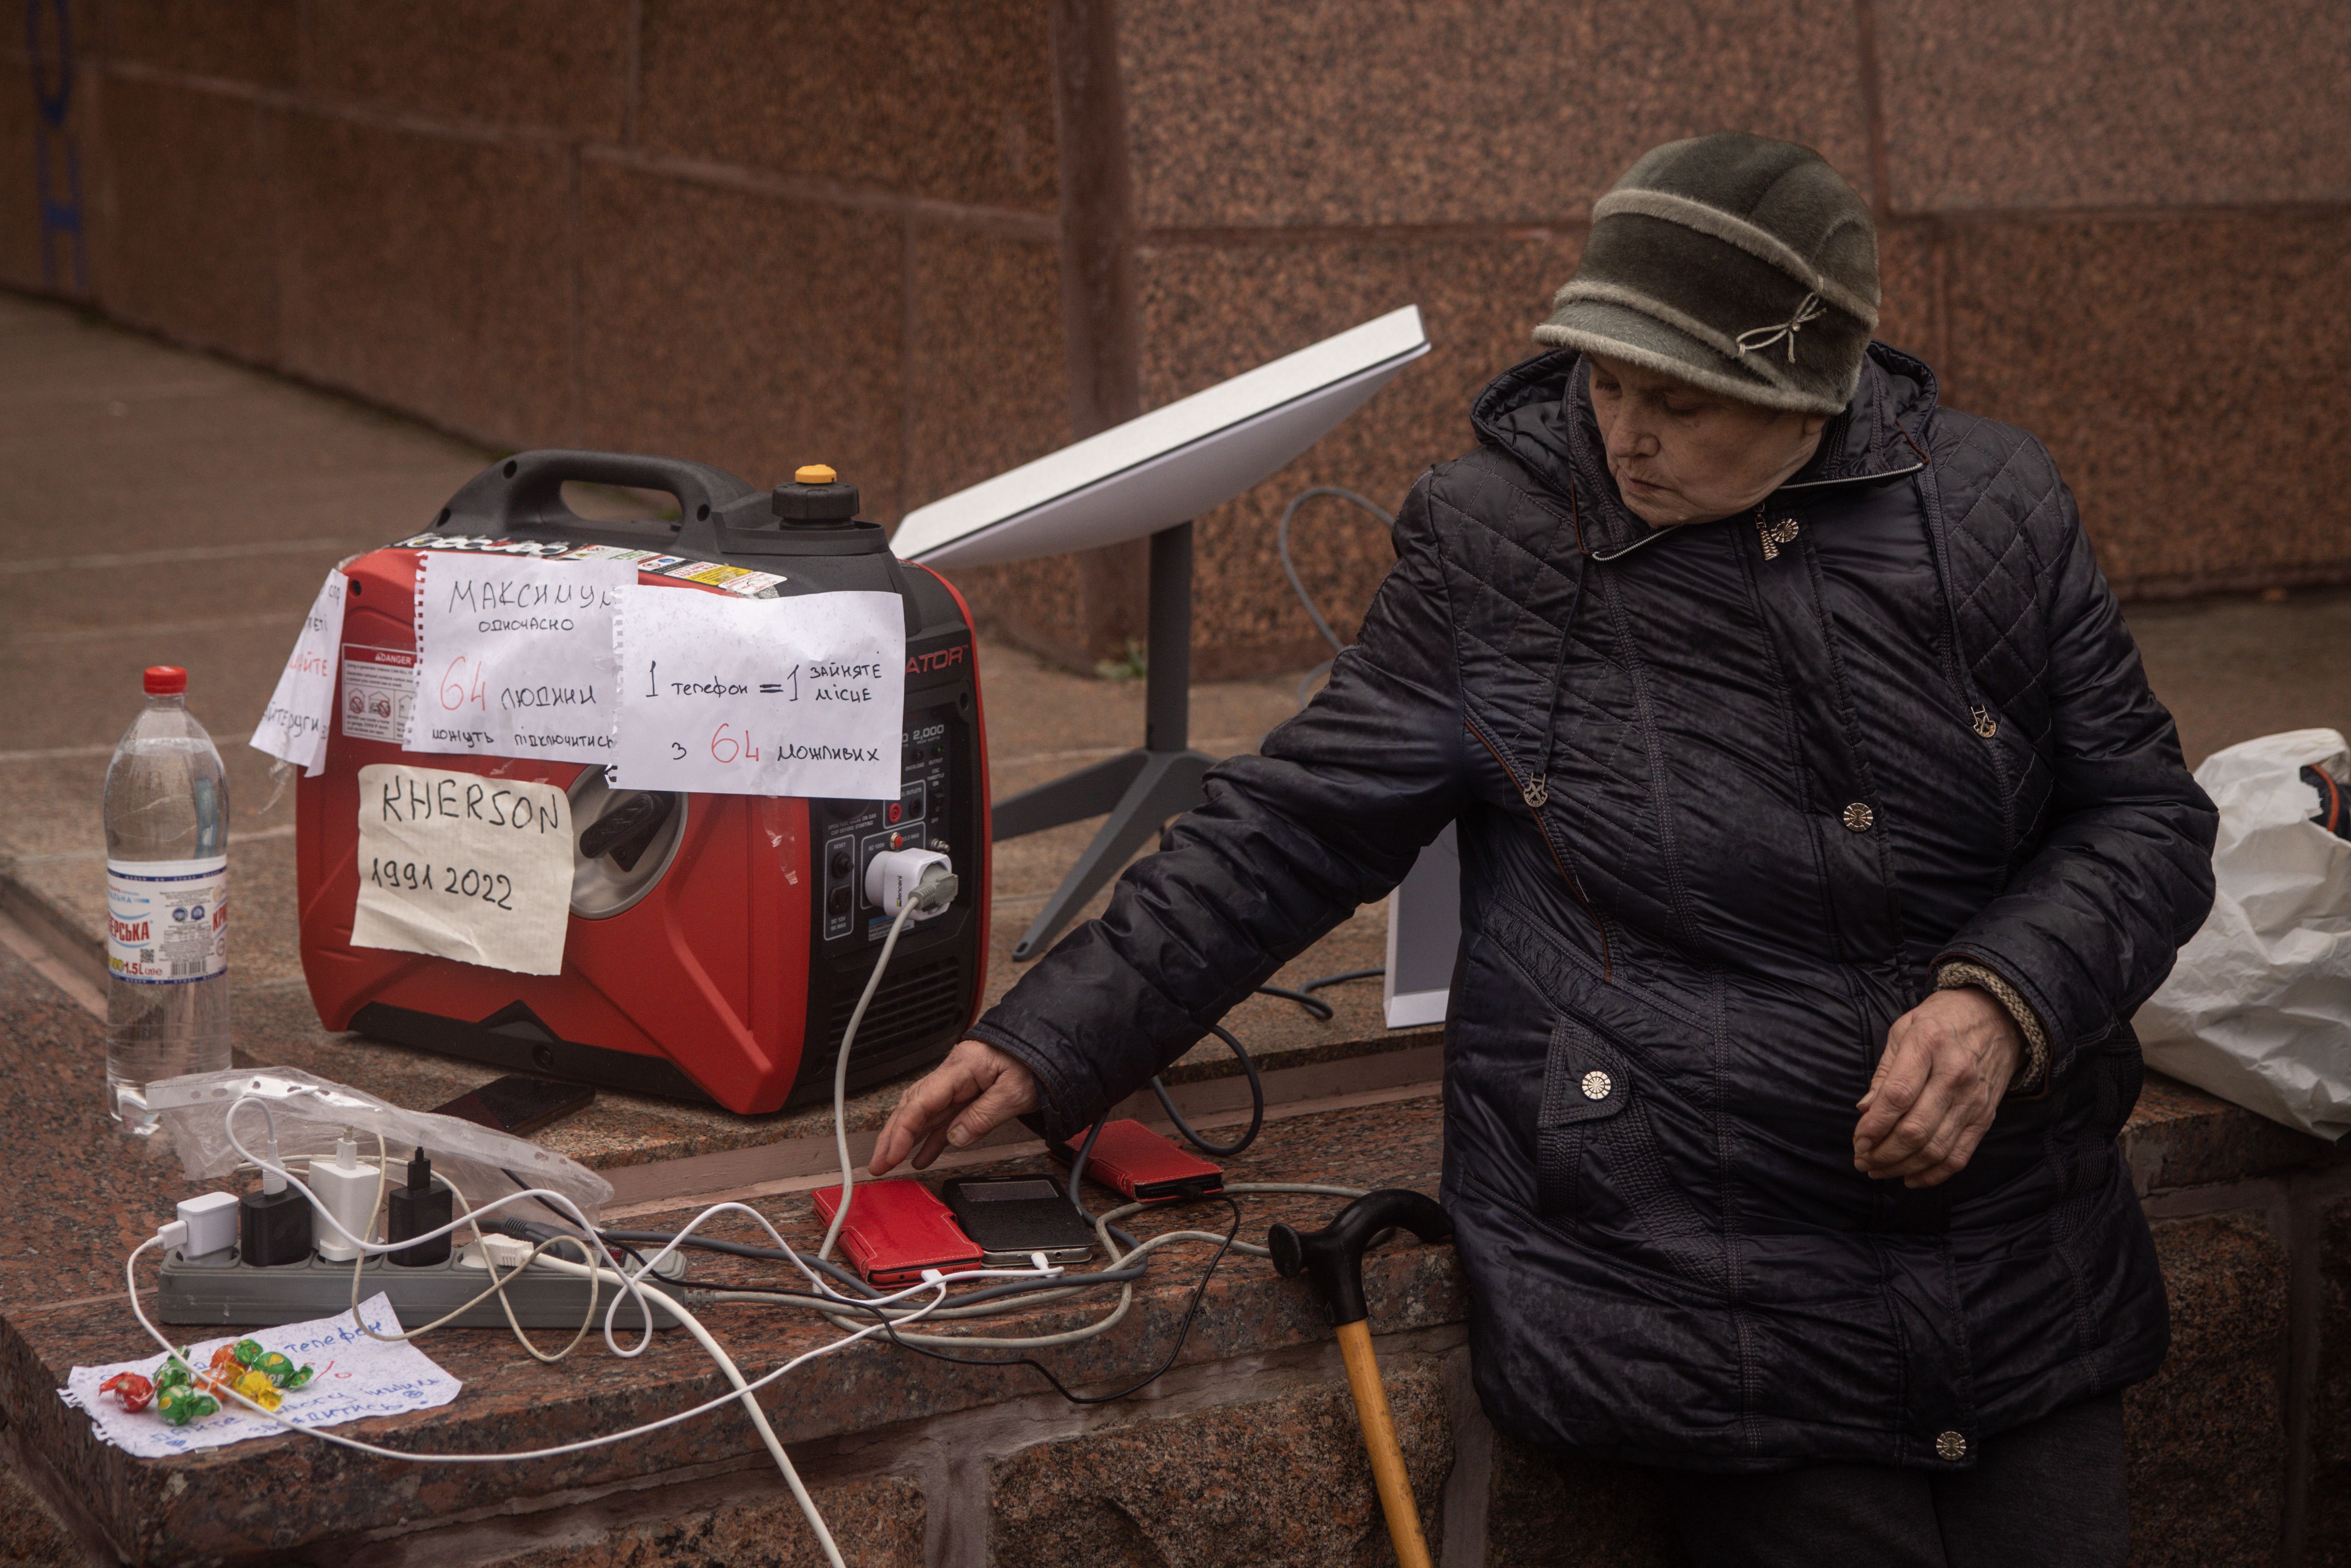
166 680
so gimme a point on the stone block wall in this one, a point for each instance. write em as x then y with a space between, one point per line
928 242
2238 1454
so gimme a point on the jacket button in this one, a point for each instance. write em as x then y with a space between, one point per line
1597 1085
1858 816
1952 1447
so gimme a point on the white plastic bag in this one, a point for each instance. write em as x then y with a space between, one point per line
311 1113
2258 1009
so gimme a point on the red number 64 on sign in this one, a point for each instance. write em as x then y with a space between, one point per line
454 695
725 746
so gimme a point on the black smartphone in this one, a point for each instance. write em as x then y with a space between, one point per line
1010 1217
518 1104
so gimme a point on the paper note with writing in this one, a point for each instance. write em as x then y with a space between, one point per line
764 697
355 1377
515 656
465 866
293 727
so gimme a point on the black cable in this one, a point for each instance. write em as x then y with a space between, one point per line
1315 1005
843 1277
1078 1168
735 1249
1182 1332
1256 1103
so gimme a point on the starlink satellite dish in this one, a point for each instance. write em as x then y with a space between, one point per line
1169 465
1149 479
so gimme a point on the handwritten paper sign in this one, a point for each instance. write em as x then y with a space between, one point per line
294 726
774 696
515 656
464 866
357 1377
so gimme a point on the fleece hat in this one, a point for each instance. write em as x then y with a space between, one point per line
1744 264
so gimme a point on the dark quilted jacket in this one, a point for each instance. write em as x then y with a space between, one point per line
1728 796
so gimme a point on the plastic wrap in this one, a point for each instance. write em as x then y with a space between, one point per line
311 1113
2258 1008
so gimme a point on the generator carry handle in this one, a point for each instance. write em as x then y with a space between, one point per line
524 495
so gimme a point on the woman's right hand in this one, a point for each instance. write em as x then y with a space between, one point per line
958 1102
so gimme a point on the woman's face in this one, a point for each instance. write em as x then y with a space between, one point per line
1682 454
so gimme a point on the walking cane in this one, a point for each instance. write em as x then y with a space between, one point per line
1332 1257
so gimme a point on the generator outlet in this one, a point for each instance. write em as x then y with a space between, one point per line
894 879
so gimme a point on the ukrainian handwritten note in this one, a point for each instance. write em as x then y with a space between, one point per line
465 866
516 656
294 727
357 1377
799 695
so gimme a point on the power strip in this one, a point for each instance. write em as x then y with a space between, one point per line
217 1290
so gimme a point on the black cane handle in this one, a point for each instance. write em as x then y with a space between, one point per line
1333 1256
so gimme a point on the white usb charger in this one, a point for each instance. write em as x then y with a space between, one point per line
348 1191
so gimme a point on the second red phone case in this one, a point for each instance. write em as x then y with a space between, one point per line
1133 1159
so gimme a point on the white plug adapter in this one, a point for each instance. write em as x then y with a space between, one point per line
348 1190
494 1251
894 878
211 1220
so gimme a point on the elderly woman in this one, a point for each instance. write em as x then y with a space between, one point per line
1819 836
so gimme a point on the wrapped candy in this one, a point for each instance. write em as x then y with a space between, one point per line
134 1391
181 1395
256 1385
180 1404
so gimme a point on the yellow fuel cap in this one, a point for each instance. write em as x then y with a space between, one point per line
813 473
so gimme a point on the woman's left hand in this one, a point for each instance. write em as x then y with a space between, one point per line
1939 1084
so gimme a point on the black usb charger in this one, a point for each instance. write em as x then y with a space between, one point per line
273 1227
415 1209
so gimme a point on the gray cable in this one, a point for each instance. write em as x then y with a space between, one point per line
1298 585
1119 1261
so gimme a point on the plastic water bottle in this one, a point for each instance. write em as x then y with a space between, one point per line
167 903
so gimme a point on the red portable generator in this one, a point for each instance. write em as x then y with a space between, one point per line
715 944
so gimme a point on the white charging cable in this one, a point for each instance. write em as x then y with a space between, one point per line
911 885
934 1282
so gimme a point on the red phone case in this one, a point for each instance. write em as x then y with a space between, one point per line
1129 1157
896 1229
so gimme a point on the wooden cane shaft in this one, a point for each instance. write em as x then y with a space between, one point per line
1380 1443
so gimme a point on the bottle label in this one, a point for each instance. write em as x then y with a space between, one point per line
167 921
